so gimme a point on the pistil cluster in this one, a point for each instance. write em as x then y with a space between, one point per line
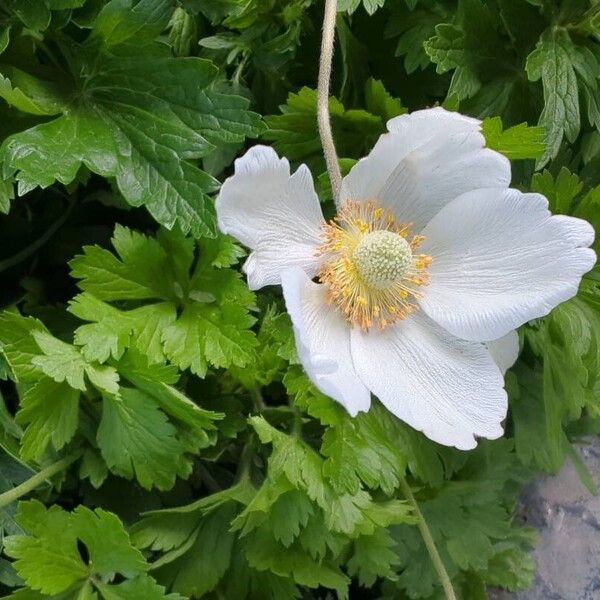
370 267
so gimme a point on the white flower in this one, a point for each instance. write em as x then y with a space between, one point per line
431 256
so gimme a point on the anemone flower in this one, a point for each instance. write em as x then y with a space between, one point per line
414 290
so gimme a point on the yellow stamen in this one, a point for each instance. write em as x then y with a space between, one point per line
372 276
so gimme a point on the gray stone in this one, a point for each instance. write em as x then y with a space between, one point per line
568 550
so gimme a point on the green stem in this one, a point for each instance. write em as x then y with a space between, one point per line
33 482
237 76
245 461
209 481
257 400
297 425
429 543
15 259
50 56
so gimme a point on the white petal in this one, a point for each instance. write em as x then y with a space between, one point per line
427 159
501 259
323 342
277 215
505 351
449 389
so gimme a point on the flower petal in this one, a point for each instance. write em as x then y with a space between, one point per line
449 389
505 351
501 259
323 341
427 159
277 215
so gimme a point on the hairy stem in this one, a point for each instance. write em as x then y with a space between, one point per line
323 119
33 482
429 543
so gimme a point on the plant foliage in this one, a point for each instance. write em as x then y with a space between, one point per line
202 462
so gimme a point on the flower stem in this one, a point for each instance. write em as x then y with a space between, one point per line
30 484
323 118
429 543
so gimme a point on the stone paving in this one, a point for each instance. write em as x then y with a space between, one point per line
568 518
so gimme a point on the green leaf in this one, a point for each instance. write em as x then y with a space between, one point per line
380 102
60 361
29 94
582 470
468 519
121 20
136 439
33 14
221 252
588 208
50 414
373 557
473 45
48 558
518 142
64 4
570 339
351 5
202 336
202 314
563 67
134 274
512 569
140 588
195 578
364 449
12 473
116 330
183 533
289 515
568 342
63 362
561 192
107 542
151 380
251 583
447 48
177 196
537 441
183 33
125 110
276 349
308 397
264 553
414 28
4 37
143 135
8 575
295 133
303 468
7 193
93 467
18 345
10 432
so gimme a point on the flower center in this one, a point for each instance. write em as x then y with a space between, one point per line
382 258
370 269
